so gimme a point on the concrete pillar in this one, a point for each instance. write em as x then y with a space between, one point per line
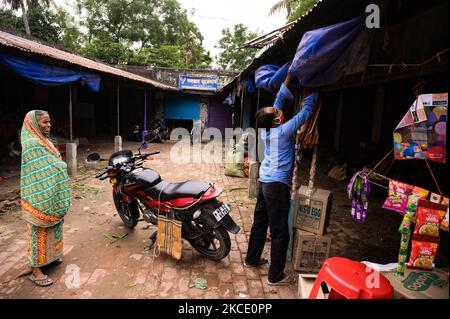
71 158
253 175
117 143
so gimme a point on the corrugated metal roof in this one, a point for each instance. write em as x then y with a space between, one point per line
272 46
11 40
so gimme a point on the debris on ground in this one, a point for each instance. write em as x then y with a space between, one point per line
243 296
238 189
199 283
115 237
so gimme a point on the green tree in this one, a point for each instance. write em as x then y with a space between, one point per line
44 23
25 5
294 8
232 57
140 32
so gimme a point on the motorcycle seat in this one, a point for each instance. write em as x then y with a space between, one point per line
165 191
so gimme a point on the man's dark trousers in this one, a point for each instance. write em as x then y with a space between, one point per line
272 209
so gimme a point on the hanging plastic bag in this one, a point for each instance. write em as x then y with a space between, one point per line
169 236
358 191
234 165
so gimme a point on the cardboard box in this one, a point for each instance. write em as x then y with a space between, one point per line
417 284
305 284
310 251
312 212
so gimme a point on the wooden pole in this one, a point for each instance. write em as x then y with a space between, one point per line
257 102
70 113
118 109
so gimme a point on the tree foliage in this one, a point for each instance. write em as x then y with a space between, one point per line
232 57
24 6
294 8
142 32
45 23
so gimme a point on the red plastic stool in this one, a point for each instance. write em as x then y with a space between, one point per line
351 280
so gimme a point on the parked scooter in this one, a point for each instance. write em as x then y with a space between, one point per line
141 191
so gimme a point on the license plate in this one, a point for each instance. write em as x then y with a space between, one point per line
221 212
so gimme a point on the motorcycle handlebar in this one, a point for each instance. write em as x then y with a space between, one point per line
104 174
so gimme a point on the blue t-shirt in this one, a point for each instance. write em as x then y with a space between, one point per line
278 163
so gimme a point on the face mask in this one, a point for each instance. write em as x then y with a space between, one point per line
279 119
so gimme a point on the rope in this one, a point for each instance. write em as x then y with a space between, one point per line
437 56
312 171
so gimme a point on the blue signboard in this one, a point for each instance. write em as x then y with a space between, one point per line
207 83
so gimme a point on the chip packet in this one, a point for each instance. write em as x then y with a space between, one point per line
417 193
422 255
397 199
428 218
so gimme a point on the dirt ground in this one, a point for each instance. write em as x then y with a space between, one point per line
115 262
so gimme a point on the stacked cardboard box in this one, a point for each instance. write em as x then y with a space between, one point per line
311 215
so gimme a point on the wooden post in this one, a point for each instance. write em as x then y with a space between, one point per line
378 115
257 101
337 136
242 106
70 114
118 109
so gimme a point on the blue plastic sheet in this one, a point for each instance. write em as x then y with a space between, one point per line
249 85
270 76
324 55
49 75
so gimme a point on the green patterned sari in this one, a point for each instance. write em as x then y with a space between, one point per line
45 193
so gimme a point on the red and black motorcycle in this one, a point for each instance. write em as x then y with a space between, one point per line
141 191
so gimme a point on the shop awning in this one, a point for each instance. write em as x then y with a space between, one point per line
49 75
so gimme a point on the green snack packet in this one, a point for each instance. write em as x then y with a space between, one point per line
404 242
411 206
402 257
405 226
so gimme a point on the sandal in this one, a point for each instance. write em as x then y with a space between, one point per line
260 262
287 280
41 281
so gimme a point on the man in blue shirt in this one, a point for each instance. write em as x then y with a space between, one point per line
275 177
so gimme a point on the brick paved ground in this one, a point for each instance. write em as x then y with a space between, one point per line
124 269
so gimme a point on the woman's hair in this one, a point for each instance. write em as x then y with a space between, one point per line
39 113
264 119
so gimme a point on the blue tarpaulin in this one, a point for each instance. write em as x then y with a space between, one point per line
49 75
324 55
270 76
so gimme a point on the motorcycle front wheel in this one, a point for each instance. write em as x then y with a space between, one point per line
129 213
215 243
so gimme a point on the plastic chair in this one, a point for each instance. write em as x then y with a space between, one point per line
351 280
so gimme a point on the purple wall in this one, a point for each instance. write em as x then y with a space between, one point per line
219 115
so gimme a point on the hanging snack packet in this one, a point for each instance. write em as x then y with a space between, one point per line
422 255
428 218
444 224
397 199
402 257
435 198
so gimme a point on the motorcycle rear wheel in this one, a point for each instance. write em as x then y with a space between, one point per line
215 244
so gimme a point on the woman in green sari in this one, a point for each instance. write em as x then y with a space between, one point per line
45 194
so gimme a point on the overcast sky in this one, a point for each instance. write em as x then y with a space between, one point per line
211 16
